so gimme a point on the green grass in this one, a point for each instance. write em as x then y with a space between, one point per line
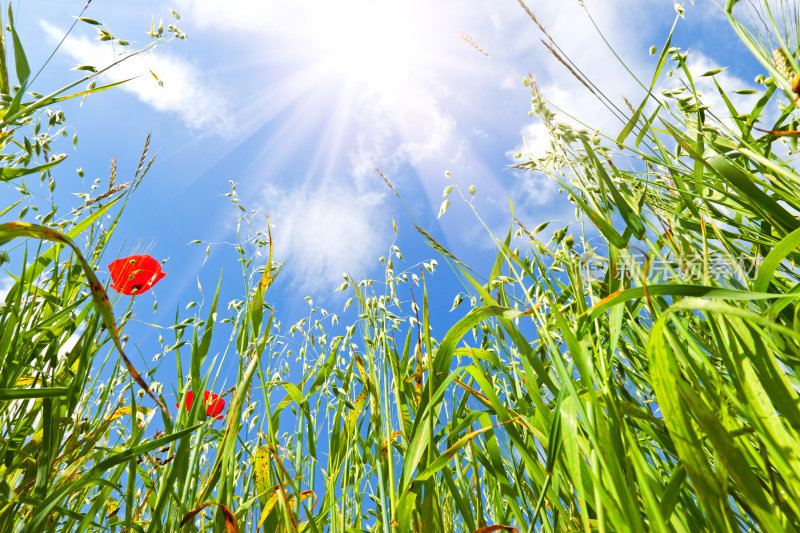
663 400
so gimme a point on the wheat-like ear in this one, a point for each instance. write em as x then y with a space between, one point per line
781 61
468 39
568 67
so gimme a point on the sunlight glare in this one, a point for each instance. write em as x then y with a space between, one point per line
377 45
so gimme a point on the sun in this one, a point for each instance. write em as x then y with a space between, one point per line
374 45
356 83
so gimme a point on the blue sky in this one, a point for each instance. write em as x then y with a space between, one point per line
296 101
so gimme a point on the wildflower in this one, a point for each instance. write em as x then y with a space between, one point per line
135 274
214 404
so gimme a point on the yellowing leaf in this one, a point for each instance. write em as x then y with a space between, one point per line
122 411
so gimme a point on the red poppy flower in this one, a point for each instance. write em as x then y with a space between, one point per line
135 274
214 404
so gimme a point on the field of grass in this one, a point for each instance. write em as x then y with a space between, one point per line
633 372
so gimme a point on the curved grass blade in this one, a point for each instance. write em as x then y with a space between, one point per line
14 230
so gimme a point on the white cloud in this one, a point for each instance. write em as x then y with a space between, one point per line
578 102
324 232
397 74
422 132
183 92
412 111
535 141
6 282
396 84
630 35
574 32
